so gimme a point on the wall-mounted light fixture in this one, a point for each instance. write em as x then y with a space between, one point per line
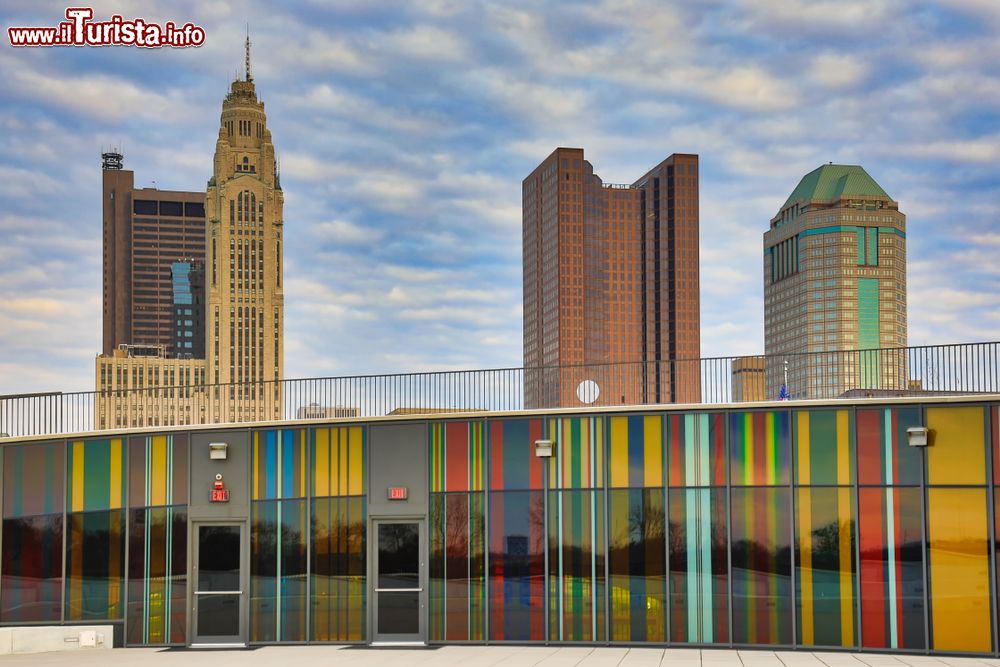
918 436
543 448
218 451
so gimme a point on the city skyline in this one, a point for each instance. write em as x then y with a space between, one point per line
404 141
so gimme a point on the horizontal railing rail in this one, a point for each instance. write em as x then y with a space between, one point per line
935 370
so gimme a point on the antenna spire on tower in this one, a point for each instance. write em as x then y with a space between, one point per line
249 76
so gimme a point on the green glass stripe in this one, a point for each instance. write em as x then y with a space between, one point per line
704 455
576 471
15 461
691 580
97 474
705 552
872 238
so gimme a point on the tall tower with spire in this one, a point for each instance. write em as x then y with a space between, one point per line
243 274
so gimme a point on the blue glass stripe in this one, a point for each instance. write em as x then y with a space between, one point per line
270 464
287 463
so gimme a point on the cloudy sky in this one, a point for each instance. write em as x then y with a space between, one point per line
404 134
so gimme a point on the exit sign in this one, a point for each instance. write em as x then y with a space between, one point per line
398 493
220 495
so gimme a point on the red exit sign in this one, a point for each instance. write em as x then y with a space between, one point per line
398 493
220 495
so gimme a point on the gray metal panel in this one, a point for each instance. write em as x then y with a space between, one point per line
398 457
235 471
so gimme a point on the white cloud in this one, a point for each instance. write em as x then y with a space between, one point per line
838 70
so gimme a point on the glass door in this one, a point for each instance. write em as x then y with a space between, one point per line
400 555
219 600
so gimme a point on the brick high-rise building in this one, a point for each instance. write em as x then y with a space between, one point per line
610 279
145 231
834 281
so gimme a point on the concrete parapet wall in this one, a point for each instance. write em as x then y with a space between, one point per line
44 638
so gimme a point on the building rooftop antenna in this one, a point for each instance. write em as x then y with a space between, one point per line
249 75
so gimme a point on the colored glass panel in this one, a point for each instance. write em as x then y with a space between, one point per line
513 464
637 555
338 572
576 566
761 566
759 444
884 455
456 459
868 332
278 571
995 437
516 566
279 464
579 453
958 566
338 461
824 453
33 479
95 476
958 451
457 567
636 451
157 576
699 564
890 528
696 449
31 585
825 567
95 565
158 470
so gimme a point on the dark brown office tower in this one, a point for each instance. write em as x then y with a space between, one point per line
611 289
145 231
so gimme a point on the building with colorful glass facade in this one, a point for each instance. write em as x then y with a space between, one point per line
787 524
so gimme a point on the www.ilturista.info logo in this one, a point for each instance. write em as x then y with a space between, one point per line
79 30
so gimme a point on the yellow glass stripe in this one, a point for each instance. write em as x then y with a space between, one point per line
958 454
960 603
322 463
77 504
843 448
619 451
748 453
805 564
803 447
158 471
256 467
846 585
115 492
343 483
652 438
357 462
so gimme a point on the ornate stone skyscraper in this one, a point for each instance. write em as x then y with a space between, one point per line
245 300
239 377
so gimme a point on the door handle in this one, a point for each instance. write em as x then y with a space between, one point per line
399 590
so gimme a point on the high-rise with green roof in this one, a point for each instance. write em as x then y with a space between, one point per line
835 280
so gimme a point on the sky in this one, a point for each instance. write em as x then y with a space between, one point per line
404 131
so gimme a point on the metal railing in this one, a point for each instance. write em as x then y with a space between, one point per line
929 370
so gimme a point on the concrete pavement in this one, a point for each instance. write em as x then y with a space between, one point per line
480 656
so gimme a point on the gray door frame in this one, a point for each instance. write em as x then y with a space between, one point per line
194 639
373 591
